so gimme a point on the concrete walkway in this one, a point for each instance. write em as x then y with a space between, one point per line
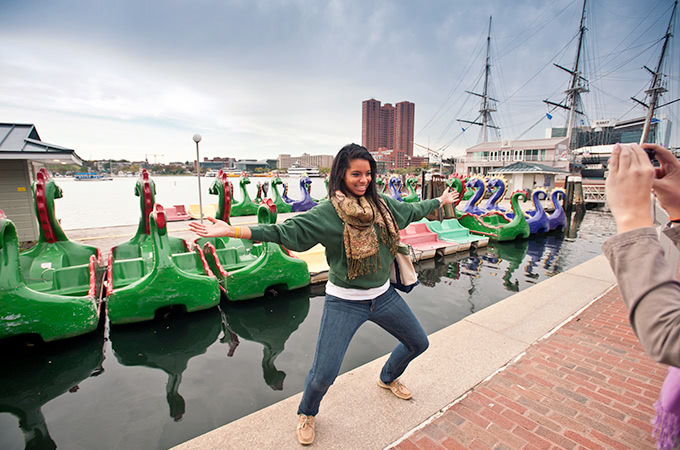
554 366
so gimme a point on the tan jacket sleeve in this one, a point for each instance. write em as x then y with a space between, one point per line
649 289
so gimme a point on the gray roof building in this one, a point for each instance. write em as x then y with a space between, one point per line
22 154
22 142
523 167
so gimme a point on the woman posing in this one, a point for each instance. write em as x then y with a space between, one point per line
360 231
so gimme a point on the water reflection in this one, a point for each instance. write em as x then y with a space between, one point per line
168 345
574 221
39 375
269 322
512 252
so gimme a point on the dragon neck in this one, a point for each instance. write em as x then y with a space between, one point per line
10 274
411 188
244 193
478 195
304 190
276 195
224 209
147 202
45 191
519 214
497 194
557 204
159 238
537 202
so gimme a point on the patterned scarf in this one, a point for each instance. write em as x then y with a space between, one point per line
667 421
361 217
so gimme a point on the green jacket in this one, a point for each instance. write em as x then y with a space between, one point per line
321 224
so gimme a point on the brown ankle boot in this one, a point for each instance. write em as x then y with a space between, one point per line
305 429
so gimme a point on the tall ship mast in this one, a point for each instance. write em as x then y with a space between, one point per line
488 104
658 84
577 85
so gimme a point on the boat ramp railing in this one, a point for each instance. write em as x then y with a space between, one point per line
594 193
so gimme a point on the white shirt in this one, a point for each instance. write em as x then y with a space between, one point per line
356 294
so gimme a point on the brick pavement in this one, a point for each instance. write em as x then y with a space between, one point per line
589 385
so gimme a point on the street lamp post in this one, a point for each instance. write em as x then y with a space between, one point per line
197 139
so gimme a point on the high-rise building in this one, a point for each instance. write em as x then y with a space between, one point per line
388 129
403 127
370 123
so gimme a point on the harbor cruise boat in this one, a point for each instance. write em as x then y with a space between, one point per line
302 171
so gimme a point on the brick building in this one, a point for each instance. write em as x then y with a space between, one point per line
387 131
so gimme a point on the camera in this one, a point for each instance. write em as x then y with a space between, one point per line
651 154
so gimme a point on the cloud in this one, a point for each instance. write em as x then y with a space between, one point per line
288 76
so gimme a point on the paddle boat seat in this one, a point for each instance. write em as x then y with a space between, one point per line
451 230
176 213
424 242
233 259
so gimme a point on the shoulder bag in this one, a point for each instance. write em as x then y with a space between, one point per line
403 275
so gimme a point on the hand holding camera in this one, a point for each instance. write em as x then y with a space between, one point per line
666 183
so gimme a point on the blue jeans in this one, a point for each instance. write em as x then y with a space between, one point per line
340 320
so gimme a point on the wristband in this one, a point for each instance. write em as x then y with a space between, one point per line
237 232
676 220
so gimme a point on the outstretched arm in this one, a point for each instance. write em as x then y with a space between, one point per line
219 228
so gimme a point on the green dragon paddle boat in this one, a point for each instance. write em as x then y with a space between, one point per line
411 184
56 264
245 207
380 185
264 267
140 244
51 316
139 287
496 225
281 205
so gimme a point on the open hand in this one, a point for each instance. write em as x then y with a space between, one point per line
629 186
448 197
218 228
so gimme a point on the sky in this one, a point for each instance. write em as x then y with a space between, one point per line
137 79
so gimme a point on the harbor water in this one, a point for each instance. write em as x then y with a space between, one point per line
156 384
93 204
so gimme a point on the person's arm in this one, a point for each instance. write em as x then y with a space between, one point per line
405 213
298 233
650 291
648 287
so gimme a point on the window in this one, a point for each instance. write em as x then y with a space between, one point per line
531 155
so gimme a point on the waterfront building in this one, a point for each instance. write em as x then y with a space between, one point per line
387 132
487 157
217 163
593 145
529 175
285 161
249 165
23 154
